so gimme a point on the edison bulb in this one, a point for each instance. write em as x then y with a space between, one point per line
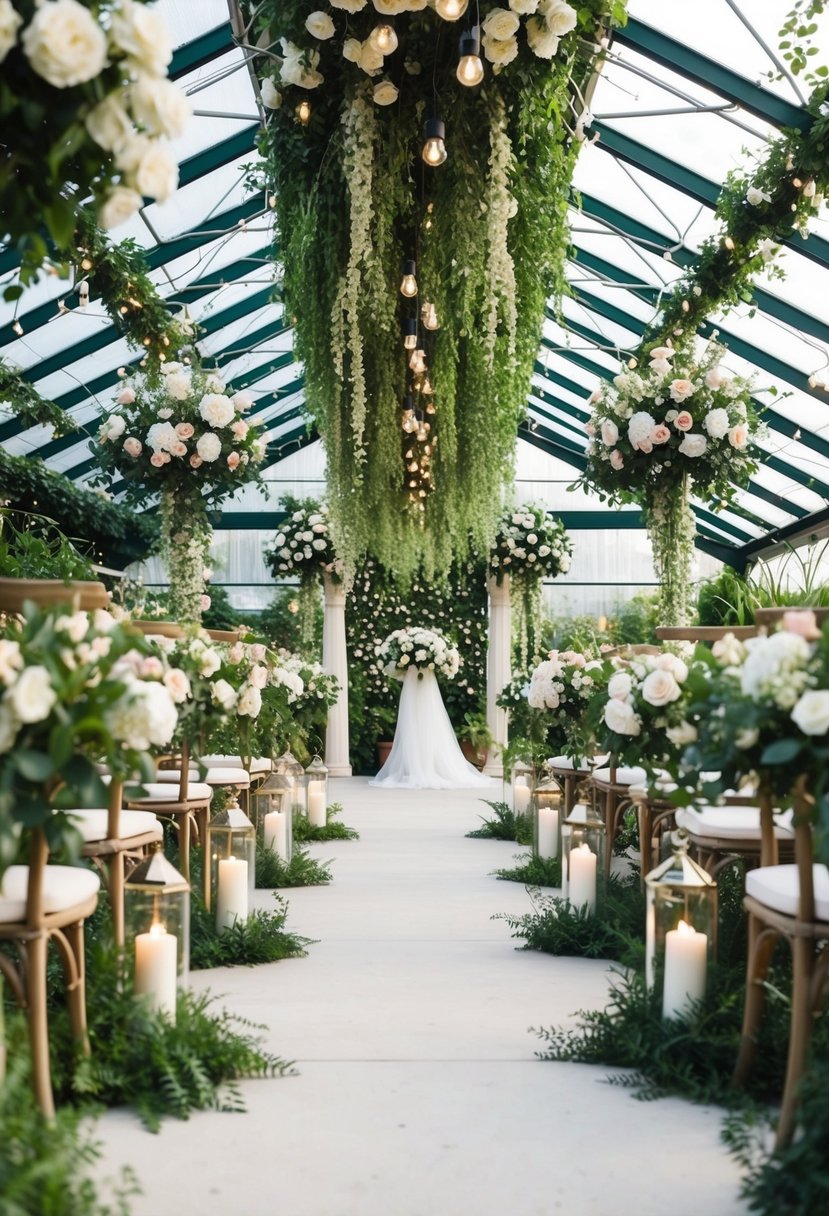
408 284
409 334
429 316
450 10
383 39
470 71
303 111
434 149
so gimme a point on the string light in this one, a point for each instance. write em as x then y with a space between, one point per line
429 316
383 39
408 284
434 149
470 70
17 327
303 111
410 333
451 10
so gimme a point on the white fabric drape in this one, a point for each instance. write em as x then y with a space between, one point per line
425 754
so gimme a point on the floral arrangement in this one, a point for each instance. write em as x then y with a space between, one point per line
530 545
348 92
680 423
89 111
420 649
308 708
563 686
303 546
76 689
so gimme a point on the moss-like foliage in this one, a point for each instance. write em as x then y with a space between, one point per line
533 871
262 938
504 825
302 870
333 830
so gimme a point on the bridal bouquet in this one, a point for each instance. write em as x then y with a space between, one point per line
422 649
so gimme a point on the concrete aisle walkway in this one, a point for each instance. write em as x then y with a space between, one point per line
418 1093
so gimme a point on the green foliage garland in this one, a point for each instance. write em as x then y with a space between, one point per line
26 403
354 200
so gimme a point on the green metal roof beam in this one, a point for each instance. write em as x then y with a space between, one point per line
218 155
201 50
685 61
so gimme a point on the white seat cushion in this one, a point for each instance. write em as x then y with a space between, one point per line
777 887
730 822
63 887
623 776
257 764
156 791
213 776
92 824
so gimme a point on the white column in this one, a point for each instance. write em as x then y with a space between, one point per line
335 662
498 670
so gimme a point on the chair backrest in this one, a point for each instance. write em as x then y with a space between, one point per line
181 761
803 852
38 856
116 800
704 633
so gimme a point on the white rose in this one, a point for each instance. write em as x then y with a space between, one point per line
216 409
620 685
11 661
10 22
716 377
115 426
747 737
500 50
177 684
385 93
178 386
524 7
119 205
660 367
541 39
683 734
674 664
349 6
660 688
209 446
640 427
32 696
693 445
299 67
160 107
560 17
223 694
620 717
729 650
319 25
141 34
109 124
500 24
157 172
352 48
755 196
716 423
610 433
250 702
271 97
811 713
65 44
371 61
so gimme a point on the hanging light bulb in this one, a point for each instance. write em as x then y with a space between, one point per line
434 149
450 10
429 316
303 111
470 68
408 284
408 421
383 39
409 333
418 362
426 386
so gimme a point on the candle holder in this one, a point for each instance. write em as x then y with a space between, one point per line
288 766
316 792
522 780
583 840
547 803
681 911
273 808
231 871
157 918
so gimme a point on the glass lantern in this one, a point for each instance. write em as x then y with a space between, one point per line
522 780
157 918
273 808
231 866
287 765
680 927
584 840
547 805
316 792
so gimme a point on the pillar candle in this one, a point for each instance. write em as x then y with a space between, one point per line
316 804
548 831
232 894
582 877
156 969
520 796
276 833
686 963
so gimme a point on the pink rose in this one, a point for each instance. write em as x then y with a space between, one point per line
617 460
185 430
716 377
644 445
157 460
660 434
233 460
195 461
205 603
125 396
610 433
681 389
242 401
590 428
133 446
151 668
803 623
236 652
662 352
257 652
683 421
258 676
738 435
178 448
165 457
240 428
594 396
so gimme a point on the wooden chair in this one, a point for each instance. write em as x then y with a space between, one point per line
721 835
186 803
791 902
40 903
612 795
573 777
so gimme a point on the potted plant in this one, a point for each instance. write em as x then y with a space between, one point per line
475 738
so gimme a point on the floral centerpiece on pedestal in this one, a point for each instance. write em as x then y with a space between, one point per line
562 687
419 649
530 545
303 548
682 422
178 432
87 109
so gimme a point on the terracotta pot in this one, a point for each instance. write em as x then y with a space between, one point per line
45 592
384 746
475 755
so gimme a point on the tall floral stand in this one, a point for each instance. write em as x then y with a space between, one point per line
498 670
672 530
185 544
335 663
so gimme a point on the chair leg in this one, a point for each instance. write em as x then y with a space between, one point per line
803 959
645 840
35 951
115 866
184 844
610 834
761 943
76 986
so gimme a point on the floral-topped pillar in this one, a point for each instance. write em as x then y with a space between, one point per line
303 549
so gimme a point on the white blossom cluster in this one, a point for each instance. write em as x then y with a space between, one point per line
421 649
303 545
563 681
655 680
65 44
779 669
530 543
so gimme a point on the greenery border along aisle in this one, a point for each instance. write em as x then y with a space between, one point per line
533 871
504 825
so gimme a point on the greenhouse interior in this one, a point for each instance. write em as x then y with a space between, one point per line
414 607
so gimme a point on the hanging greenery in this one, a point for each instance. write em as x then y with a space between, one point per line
424 433
26 403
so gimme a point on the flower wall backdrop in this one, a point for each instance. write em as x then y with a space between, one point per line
355 90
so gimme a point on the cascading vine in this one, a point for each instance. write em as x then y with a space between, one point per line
672 529
185 545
